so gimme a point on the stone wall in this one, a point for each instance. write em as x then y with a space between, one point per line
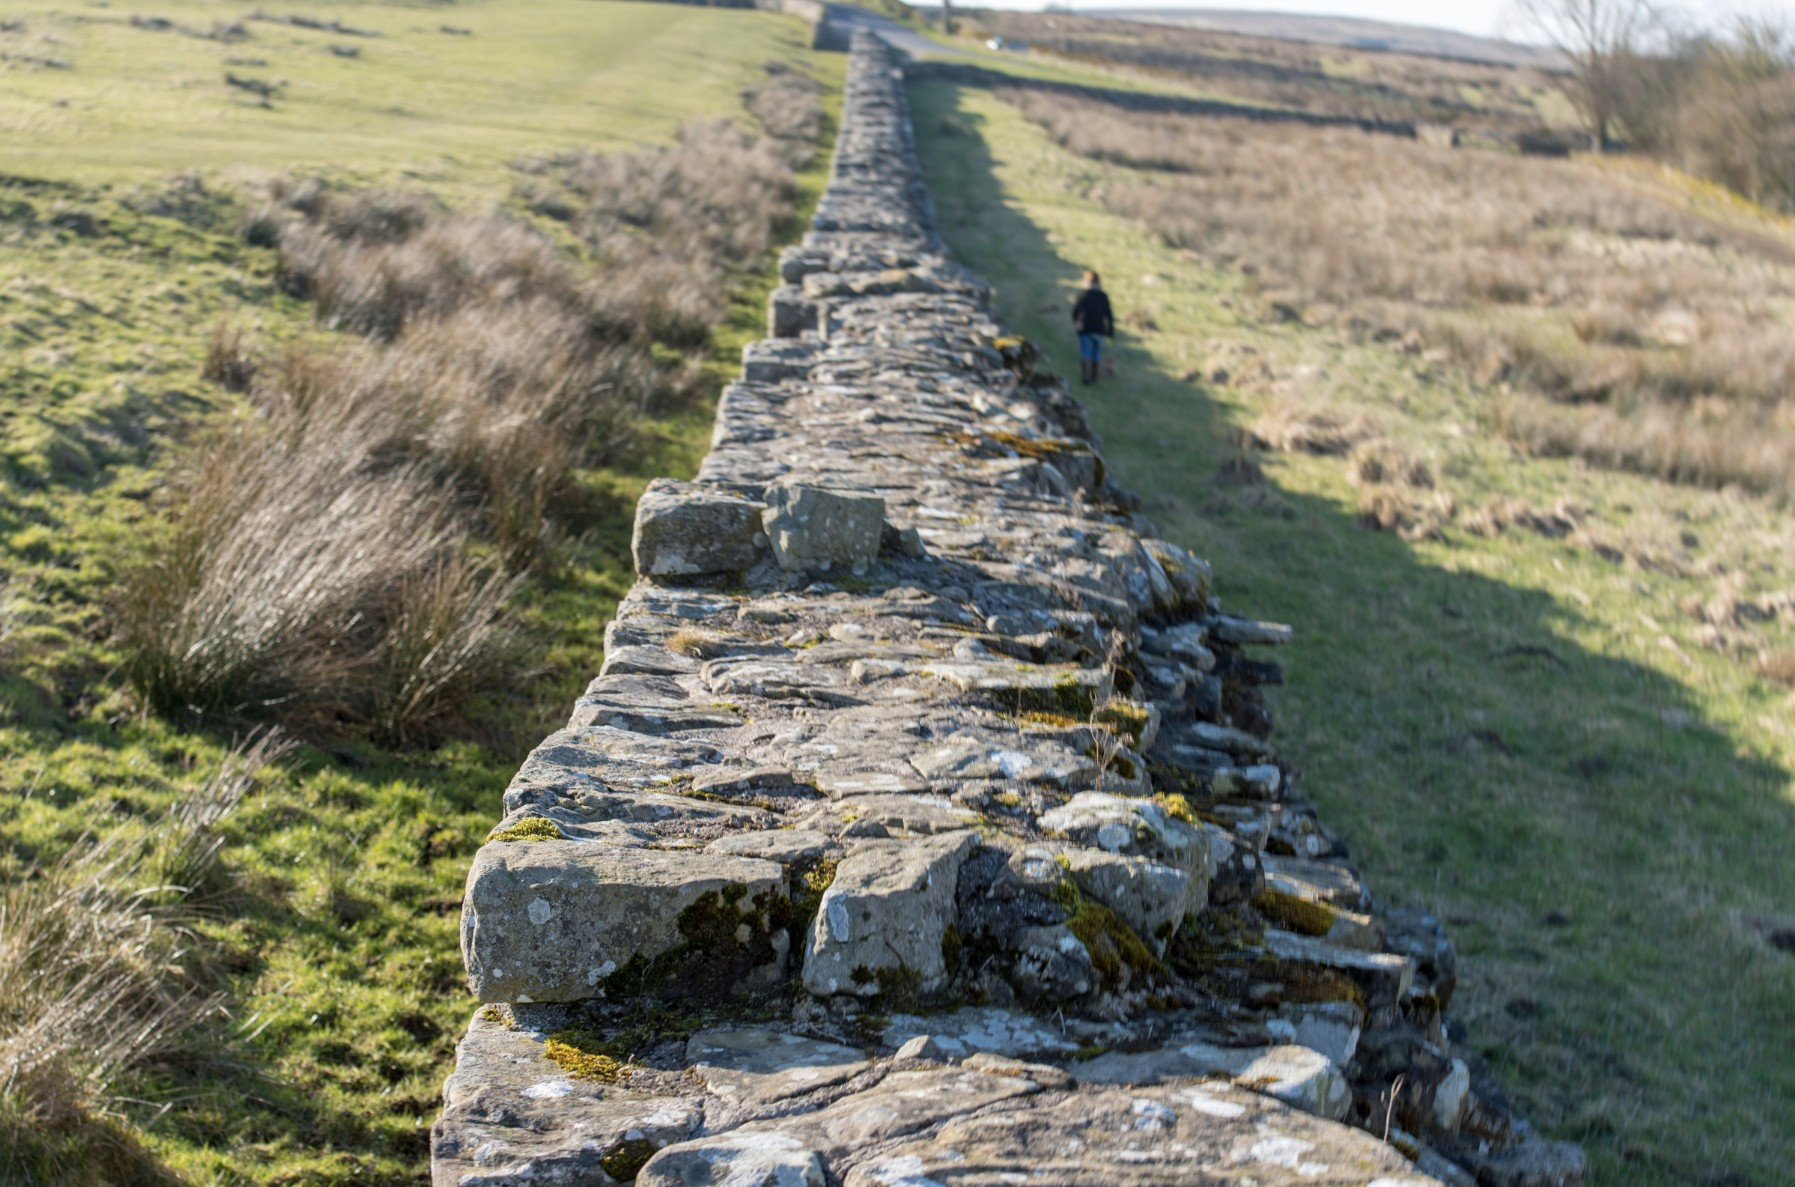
921 825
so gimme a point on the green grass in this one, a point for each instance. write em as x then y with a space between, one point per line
335 937
1514 732
418 102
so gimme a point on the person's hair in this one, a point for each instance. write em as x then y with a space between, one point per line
1090 279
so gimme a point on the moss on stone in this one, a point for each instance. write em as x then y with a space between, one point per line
1117 951
807 898
1302 983
1295 914
626 1159
1177 807
722 940
1111 758
576 1053
951 944
531 828
900 990
1124 717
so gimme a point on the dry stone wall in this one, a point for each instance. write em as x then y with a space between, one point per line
921 826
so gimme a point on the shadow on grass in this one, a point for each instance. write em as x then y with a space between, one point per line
1605 854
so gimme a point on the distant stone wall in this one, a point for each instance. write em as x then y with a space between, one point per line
921 826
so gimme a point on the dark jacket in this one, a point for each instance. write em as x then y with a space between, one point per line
1090 313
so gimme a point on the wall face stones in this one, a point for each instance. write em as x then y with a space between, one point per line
921 826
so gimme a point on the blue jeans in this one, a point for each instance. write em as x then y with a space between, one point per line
1090 347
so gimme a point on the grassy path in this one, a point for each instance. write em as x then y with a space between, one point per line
1514 733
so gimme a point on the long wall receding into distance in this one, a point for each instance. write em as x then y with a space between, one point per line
921 826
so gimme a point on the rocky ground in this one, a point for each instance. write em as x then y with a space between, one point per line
921 826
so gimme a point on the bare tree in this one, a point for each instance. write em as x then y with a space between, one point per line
1599 37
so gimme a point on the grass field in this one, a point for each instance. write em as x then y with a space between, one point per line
332 930
1544 736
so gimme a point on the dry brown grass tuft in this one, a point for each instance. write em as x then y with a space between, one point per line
1778 667
788 107
279 586
230 362
101 977
1628 330
1293 426
1498 515
1412 520
1377 463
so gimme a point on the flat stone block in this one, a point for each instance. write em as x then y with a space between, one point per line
552 920
685 530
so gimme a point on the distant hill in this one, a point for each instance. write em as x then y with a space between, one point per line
1349 32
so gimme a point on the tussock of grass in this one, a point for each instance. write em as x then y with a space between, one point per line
1299 426
102 977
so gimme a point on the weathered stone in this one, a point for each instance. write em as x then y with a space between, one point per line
1141 1137
881 923
552 920
685 530
512 1116
1118 824
1239 870
823 529
761 1158
1244 632
1531 1163
977 1030
1382 976
1262 782
1051 964
786 846
1299 1076
754 1067
780 1153
905 815
1151 897
1316 881
646 704
1332 1028
1450 1097
789 313
774 360
1026 688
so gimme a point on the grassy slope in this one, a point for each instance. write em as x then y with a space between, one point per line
339 931
1517 734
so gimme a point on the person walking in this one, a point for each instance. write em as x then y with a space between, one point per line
1092 319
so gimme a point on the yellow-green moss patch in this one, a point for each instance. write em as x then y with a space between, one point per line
532 828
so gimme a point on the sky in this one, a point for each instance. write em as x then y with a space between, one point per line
1468 16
